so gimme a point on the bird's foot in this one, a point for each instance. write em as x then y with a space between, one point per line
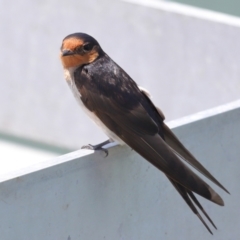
93 147
97 147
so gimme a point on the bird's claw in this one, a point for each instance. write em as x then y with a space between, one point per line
94 148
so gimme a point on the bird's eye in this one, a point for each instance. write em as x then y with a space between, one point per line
87 47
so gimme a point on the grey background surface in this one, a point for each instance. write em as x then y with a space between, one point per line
230 7
187 63
83 195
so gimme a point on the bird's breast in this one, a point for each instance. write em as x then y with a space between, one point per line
69 76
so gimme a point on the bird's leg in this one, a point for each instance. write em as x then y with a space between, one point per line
98 146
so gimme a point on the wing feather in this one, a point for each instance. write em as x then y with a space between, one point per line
128 112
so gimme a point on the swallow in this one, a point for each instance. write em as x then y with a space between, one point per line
127 115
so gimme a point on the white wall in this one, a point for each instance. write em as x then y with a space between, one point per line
187 61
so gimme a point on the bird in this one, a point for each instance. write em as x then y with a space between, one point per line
127 115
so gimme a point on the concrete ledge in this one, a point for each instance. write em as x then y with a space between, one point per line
83 195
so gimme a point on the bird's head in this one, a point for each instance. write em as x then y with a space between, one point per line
79 49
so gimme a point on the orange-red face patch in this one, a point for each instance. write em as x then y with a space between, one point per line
76 59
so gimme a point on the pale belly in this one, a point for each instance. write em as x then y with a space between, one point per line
96 120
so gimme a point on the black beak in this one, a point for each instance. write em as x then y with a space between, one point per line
67 53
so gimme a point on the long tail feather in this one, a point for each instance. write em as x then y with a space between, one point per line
180 150
201 208
184 193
